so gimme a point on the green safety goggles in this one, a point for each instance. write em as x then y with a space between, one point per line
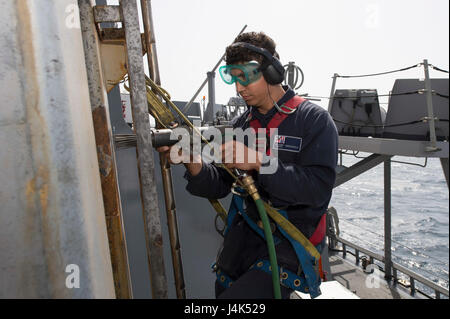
243 73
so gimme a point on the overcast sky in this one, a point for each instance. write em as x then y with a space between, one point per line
323 37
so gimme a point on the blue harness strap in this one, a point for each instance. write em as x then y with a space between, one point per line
309 264
311 281
237 206
222 278
287 277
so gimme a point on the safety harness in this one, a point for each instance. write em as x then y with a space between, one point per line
308 278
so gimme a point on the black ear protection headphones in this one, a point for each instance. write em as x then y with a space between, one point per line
271 68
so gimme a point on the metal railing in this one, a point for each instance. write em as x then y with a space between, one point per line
413 277
428 91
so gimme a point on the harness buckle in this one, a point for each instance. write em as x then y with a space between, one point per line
237 190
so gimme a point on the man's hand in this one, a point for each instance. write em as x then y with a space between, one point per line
234 155
193 166
237 155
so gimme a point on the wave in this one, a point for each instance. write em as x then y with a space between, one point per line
430 222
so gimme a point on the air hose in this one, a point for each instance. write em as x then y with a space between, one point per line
253 192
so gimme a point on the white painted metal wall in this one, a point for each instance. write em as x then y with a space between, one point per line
51 208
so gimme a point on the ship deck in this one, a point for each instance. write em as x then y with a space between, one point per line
364 285
346 280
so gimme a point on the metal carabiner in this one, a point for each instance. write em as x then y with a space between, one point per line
291 110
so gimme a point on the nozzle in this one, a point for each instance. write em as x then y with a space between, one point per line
249 185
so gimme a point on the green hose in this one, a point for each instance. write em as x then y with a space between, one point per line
271 247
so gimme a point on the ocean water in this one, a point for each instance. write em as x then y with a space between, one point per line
420 215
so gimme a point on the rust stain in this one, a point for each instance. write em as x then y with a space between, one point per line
113 63
106 163
108 178
30 191
32 102
111 203
158 240
43 176
38 185
119 257
27 51
37 188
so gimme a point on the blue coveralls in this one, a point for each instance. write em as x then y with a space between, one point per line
302 185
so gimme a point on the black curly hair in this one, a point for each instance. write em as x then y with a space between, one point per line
238 54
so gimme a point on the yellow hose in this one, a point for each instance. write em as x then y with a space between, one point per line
292 230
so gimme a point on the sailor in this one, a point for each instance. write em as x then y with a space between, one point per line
306 148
